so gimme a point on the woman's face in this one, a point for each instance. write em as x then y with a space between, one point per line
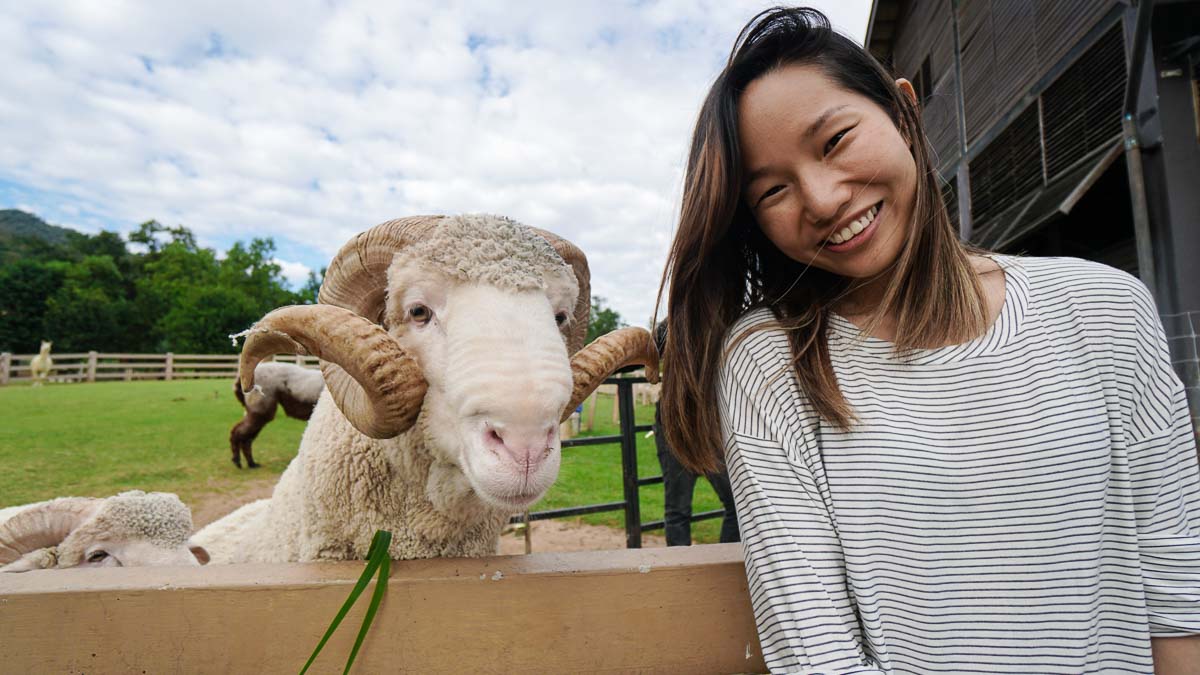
830 179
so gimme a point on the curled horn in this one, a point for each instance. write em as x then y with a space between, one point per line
43 525
376 385
607 354
576 331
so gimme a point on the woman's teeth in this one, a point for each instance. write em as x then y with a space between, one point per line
847 233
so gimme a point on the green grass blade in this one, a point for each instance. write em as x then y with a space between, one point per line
385 567
373 563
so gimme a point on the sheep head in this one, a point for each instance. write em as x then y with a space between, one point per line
475 324
131 529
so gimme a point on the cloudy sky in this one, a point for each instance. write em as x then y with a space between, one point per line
308 121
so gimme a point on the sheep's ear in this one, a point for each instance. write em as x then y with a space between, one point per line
200 552
41 559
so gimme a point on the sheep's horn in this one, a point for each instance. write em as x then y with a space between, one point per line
375 383
43 525
607 354
573 256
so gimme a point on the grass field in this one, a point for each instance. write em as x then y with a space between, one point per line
98 439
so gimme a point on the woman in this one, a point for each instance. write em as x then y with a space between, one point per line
943 460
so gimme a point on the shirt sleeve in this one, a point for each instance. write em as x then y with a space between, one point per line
1166 482
794 565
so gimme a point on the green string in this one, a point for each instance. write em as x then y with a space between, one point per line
377 559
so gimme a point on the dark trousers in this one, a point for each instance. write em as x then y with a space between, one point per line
678 484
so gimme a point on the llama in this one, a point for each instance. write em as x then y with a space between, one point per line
40 365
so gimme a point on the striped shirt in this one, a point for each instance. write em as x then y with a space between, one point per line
1026 502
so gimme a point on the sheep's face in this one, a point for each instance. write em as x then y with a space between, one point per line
497 370
132 529
129 553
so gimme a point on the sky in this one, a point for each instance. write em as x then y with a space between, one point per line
309 121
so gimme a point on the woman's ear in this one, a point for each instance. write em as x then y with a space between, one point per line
906 88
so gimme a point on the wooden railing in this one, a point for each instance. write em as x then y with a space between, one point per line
100 366
684 609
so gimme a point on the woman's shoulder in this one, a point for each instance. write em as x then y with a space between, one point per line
756 337
1094 289
1076 275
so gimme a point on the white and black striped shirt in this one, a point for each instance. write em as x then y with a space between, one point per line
1027 502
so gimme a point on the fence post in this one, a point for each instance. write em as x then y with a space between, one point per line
170 369
590 407
5 364
91 366
629 470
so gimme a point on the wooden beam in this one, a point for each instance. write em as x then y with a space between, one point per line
676 610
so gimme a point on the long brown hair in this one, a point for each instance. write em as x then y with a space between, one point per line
721 264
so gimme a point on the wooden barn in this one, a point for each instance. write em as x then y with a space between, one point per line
1066 127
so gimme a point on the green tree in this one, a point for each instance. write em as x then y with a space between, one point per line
603 319
90 310
167 275
311 289
204 318
25 287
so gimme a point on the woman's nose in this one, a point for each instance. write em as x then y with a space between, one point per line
826 197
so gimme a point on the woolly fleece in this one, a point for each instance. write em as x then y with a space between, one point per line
343 486
487 249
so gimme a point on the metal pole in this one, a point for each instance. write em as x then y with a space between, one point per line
963 182
1133 150
629 470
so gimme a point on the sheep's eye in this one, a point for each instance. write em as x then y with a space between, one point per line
420 314
97 556
560 318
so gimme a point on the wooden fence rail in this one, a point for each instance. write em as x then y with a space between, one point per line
684 609
100 366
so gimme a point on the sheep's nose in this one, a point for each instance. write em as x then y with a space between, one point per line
527 446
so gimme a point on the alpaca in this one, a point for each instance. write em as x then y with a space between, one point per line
40 365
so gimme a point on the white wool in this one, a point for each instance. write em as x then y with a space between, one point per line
343 486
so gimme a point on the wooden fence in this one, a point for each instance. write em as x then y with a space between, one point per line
684 609
100 366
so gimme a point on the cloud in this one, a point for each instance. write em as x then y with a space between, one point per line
310 121
295 272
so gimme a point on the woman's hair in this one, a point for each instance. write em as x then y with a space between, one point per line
721 264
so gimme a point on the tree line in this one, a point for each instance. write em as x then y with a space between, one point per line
155 291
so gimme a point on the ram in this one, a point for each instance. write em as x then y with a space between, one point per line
452 348
280 384
130 529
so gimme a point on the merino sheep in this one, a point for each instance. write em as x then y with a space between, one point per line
130 529
40 365
294 387
452 348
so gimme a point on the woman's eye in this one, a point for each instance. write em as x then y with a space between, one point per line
97 556
560 318
835 140
420 313
768 194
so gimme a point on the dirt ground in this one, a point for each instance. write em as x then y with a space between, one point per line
545 535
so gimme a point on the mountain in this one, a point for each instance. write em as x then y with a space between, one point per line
16 224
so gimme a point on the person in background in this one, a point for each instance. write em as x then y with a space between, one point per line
679 484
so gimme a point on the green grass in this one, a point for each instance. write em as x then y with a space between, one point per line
591 474
98 439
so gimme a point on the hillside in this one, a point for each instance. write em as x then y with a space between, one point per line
16 224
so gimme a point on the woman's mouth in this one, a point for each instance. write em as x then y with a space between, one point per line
855 234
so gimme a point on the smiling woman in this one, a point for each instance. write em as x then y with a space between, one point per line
943 460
